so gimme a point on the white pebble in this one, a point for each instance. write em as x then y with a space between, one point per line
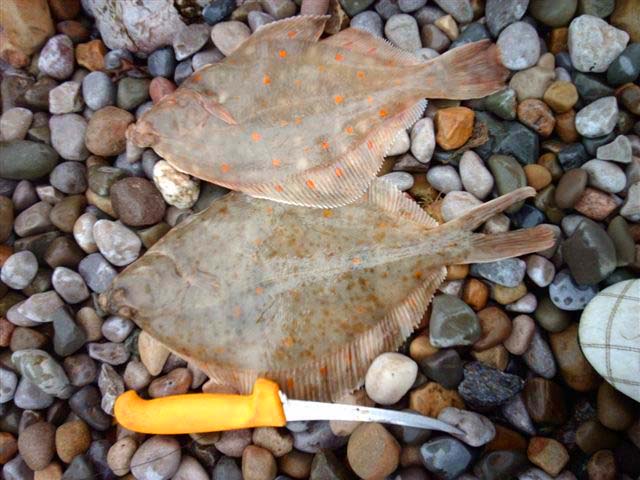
476 178
605 176
119 245
456 204
177 188
389 377
83 232
19 270
402 180
400 145
423 140
444 178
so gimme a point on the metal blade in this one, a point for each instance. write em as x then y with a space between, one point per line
295 410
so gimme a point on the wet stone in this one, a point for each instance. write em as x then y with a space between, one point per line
527 217
486 387
97 272
452 322
445 457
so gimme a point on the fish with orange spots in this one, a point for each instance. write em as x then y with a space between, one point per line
307 297
319 106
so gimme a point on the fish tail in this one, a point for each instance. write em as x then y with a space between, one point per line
468 247
473 70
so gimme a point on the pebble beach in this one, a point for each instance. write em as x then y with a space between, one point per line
510 352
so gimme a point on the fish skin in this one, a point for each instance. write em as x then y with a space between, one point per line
302 121
306 297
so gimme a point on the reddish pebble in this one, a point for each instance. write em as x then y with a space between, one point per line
6 330
160 87
596 204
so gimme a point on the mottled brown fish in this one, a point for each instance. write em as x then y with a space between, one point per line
306 297
296 120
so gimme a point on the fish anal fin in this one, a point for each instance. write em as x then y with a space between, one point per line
344 180
361 41
343 370
301 28
387 197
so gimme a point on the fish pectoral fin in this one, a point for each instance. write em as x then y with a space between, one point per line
363 42
212 107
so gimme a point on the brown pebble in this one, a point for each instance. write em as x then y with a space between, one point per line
53 471
602 466
574 367
615 410
431 398
566 127
160 87
105 134
421 348
596 204
454 127
506 295
24 338
545 401
571 187
76 31
592 436
475 294
91 55
372 451
561 96
410 456
64 9
137 202
120 454
506 439
278 442
558 40
550 162
8 447
496 357
522 329
538 177
36 445
65 213
495 326
174 383
90 322
548 454
6 330
536 115
296 464
258 464
457 272
72 438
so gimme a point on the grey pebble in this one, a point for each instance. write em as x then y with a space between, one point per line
29 396
369 21
444 178
182 72
317 437
68 337
515 411
509 272
97 272
86 404
69 285
111 386
539 357
8 385
19 270
40 368
67 136
117 329
98 90
35 310
566 294
519 46
81 369
109 352
69 177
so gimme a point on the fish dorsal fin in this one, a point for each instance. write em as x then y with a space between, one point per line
345 179
387 197
302 28
361 41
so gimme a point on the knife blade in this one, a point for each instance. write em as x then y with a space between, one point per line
266 406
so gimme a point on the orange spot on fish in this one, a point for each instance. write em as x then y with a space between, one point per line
369 144
306 149
418 275
339 172
259 290
256 137
197 77
382 113
361 309
338 99
325 145
282 53
297 120
237 312
276 162
339 57
266 80
292 33
372 50
283 123
278 188
390 63
297 83
288 342
290 384
321 68
311 184
327 213
356 260
324 371
349 130
360 74
370 99
225 167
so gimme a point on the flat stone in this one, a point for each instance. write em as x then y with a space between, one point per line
68 336
475 177
190 39
19 270
618 151
539 358
109 352
423 140
444 367
519 46
157 458
26 160
98 90
461 10
444 178
15 123
105 135
227 36
594 44
509 272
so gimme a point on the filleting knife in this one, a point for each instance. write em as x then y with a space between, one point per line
266 406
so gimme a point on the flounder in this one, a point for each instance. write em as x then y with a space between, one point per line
292 119
306 297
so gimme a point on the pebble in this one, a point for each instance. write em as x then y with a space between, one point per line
67 136
158 458
606 176
539 358
56 57
105 135
561 96
15 123
401 180
540 270
109 352
29 396
36 445
455 204
227 36
598 118
26 160
218 10
83 232
536 115
81 369
8 385
177 188
117 329
574 368
519 46
174 383
500 14
570 188
502 103
590 253
389 377
233 442
119 245
548 454
423 140
41 369
132 92
19 270
594 44
475 177
137 202
68 336
615 410
278 442
71 439
452 323
444 367
522 332
625 68
478 429
444 178
66 98
86 404
190 39
371 441
485 387
631 207
402 30
509 272
120 454
454 126
446 457
509 176
69 178
545 401
567 295
400 145
434 38
369 21
316 437
552 13
618 151
461 10
226 469
98 90
111 386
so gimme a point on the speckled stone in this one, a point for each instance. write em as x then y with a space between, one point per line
485 387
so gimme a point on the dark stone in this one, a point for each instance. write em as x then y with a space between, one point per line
591 144
80 468
446 457
444 367
86 404
501 465
487 387
572 156
162 62
528 216
590 87
474 32
68 337
38 244
218 10
625 68
508 138
409 435
590 253
326 466
545 401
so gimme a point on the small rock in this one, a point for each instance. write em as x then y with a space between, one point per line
105 134
478 430
81 369
66 98
444 367
278 442
372 451
475 177
190 39
137 202
452 322
108 352
594 44
615 410
484 386
258 464
445 457
69 178
41 369
26 160
117 329
218 10
509 272
369 21
19 270
389 378
590 254
174 383
8 385
561 96
29 396
461 10
456 204
36 445
519 46
401 180
431 398
598 118
444 178
119 245
500 14
120 454
316 437
176 188
233 442
132 92
98 90
522 331
552 13
111 386
402 30
86 404
618 151
68 337
227 36
226 469
509 176
574 368
423 140
540 270
548 454
502 103
567 295
453 126
539 358
15 123
158 458
56 57
545 401
72 438
536 115
605 176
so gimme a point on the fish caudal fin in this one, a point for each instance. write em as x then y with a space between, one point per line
480 248
471 71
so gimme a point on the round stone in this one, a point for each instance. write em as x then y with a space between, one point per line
217 11
389 378
105 134
606 176
177 188
56 57
15 123
553 13
372 451
423 140
455 204
19 270
158 458
227 36
475 177
369 21
597 119
590 253
67 136
137 202
41 369
26 160
519 46
98 90
69 285
594 44
444 178
477 429
36 445
97 272
119 245
445 457
402 30
566 294
69 178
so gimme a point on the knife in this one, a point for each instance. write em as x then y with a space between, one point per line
266 406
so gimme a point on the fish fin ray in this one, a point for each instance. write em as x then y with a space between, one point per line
299 28
361 41
345 369
356 169
387 197
491 248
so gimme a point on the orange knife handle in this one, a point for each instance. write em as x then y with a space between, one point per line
201 412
